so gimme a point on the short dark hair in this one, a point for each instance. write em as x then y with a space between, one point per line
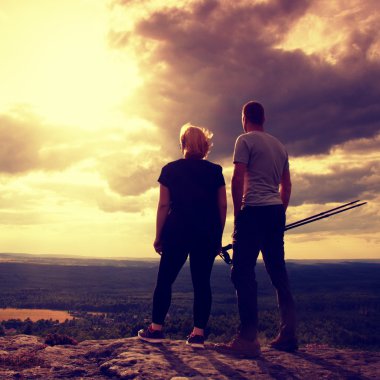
254 112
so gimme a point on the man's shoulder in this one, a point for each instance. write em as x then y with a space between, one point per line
250 138
273 138
268 138
261 141
243 139
243 136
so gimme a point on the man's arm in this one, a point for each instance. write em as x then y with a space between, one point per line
162 214
285 187
237 186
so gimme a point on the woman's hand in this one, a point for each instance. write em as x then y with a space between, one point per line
157 246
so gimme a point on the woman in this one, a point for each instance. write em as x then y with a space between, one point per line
190 220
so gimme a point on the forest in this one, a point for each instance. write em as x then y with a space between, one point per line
337 302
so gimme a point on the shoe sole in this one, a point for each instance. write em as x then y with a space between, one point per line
195 345
151 340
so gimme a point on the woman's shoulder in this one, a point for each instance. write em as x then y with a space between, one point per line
213 165
176 167
173 163
183 163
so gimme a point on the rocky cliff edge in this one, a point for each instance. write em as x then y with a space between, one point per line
27 357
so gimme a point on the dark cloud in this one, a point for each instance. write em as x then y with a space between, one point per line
205 60
343 184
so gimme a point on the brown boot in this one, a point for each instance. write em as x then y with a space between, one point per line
281 343
240 346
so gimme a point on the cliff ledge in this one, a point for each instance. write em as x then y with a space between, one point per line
27 357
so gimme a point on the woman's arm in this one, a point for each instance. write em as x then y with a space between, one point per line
222 205
162 213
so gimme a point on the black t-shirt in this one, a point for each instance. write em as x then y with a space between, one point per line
193 185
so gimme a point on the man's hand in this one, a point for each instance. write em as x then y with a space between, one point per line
237 186
285 188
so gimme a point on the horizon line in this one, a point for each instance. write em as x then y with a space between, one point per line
145 258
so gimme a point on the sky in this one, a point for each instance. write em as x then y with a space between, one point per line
93 94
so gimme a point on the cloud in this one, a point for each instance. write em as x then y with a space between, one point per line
113 202
361 146
203 61
342 185
132 159
349 171
128 157
27 143
135 181
96 193
19 145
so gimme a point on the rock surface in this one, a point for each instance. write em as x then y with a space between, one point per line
27 357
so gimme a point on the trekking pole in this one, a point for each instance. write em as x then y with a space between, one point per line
325 214
289 226
322 215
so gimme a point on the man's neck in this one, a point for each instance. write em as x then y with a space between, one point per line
250 127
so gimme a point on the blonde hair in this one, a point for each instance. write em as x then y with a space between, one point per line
195 141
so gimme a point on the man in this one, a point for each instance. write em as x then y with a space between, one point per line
261 190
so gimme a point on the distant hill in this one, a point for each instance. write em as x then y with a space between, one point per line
132 261
72 260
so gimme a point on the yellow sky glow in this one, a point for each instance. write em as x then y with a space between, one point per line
55 58
83 196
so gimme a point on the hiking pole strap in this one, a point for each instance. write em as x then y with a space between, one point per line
225 255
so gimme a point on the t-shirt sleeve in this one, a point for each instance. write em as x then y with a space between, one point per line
219 181
164 178
241 152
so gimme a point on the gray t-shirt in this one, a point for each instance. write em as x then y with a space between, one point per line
266 160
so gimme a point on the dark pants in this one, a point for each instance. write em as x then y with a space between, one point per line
261 228
202 256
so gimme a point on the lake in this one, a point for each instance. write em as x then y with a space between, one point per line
34 314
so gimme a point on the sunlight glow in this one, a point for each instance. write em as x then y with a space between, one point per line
80 161
311 34
64 67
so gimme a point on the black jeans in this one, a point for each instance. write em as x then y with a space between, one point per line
174 256
261 228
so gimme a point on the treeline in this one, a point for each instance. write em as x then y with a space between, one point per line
328 328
